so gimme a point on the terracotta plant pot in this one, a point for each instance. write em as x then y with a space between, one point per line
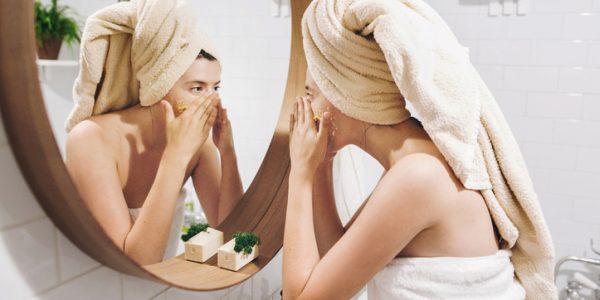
49 48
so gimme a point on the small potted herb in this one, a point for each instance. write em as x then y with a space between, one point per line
53 25
193 230
201 242
239 251
245 241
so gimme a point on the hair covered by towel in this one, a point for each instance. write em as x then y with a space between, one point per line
134 52
370 56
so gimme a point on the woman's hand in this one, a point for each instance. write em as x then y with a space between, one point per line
222 133
308 143
187 132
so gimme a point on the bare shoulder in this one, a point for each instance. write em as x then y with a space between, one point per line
421 181
421 170
91 136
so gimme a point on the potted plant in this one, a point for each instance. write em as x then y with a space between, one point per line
52 27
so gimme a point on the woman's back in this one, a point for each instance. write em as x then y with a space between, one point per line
465 229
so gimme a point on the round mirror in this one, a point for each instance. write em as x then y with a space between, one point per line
251 92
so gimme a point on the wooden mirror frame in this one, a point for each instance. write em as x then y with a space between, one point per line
262 209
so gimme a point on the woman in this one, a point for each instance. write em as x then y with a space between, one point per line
426 231
129 165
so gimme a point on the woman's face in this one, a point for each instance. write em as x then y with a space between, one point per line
320 104
202 77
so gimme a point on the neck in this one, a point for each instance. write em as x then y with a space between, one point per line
390 143
153 131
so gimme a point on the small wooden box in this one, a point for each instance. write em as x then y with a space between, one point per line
203 245
231 260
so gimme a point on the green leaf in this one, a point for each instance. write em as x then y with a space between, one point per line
245 241
54 21
194 229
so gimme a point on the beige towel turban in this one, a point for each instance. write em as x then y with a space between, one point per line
369 56
134 52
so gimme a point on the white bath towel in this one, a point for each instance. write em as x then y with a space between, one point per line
370 56
447 278
134 52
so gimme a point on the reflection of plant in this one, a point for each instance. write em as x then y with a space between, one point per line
245 241
194 229
52 22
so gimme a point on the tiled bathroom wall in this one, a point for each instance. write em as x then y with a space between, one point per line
543 67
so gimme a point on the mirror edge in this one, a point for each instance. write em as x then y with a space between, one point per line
40 161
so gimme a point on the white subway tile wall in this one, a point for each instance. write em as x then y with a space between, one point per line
543 67
71 261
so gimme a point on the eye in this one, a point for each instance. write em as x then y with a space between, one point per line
217 88
197 89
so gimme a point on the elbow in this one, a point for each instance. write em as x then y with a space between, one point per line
143 256
142 259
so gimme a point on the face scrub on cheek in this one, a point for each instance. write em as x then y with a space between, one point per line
180 107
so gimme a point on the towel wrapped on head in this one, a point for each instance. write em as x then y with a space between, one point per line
370 57
134 52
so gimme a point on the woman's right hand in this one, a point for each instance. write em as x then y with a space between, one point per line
187 132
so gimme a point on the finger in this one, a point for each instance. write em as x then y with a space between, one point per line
204 111
324 126
168 109
225 118
210 117
206 114
202 104
193 106
306 115
309 116
292 123
300 117
296 113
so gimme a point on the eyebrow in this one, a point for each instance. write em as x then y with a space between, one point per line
202 82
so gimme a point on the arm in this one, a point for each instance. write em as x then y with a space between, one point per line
217 183
326 218
216 177
231 183
391 218
94 172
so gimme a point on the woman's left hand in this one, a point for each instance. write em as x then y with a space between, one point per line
222 133
308 143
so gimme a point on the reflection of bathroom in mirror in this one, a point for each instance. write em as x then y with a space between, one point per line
247 36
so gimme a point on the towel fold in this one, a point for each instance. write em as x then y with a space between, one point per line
134 52
370 56
447 278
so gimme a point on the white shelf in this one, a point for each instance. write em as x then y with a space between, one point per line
57 63
46 65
